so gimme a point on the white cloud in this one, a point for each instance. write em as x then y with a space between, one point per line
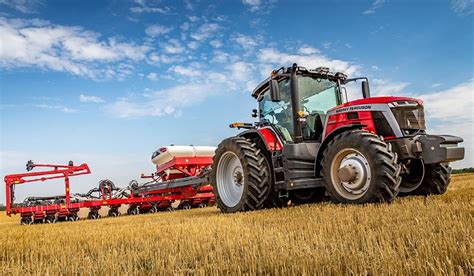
254 5
189 5
453 104
248 43
375 5
24 6
387 88
155 30
327 45
37 43
162 102
374 68
190 71
156 58
451 111
193 45
462 7
216 43
308 50
152 76
435 85
205 31
193 18
173 47
143 7
90 99
185 26
55 107
242 75
270 56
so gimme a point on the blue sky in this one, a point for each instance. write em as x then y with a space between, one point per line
109 82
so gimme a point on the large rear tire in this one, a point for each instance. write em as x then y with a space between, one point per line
359 167
436 181
241 176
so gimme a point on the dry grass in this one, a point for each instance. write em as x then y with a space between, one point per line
415 235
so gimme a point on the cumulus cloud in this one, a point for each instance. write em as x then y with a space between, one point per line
173 47
152 76
189 71
37 43
216 43
205 31
308 50
247 43
387 88
253 5
271 56
90 99
155 30
453 104
451 111
162 102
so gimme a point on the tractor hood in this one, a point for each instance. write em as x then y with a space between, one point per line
378 100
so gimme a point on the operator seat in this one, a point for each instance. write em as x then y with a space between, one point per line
315 126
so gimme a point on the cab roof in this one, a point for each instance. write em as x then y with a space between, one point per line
284 72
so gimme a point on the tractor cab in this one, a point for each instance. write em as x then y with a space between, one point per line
316 92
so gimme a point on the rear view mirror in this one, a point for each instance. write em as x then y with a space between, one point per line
365 89
274 91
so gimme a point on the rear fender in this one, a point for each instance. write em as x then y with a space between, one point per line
266 135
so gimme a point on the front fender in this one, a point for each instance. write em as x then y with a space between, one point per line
337 131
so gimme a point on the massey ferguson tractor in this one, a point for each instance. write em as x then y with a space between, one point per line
311 144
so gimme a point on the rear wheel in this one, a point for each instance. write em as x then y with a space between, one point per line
436 181
133 210
241 176
26 221
50 219
358 167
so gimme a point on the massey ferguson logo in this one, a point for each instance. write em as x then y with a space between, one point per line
354 108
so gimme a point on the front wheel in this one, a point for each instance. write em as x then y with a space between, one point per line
241 176
359 167
436 181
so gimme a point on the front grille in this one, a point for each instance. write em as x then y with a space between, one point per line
410 118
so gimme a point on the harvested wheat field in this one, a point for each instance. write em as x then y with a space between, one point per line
413 235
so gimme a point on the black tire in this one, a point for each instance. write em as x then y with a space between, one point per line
153 209
305 196
256 175
382 186
275 201
436 181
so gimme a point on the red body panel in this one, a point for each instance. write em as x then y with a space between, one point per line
270 138
338 120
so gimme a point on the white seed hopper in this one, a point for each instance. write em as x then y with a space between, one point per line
166 154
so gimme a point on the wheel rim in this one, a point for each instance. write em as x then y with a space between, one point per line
350 174
230 179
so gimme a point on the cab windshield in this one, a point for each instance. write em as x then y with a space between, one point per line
317 96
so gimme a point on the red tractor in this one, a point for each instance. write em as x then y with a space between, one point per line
310 144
